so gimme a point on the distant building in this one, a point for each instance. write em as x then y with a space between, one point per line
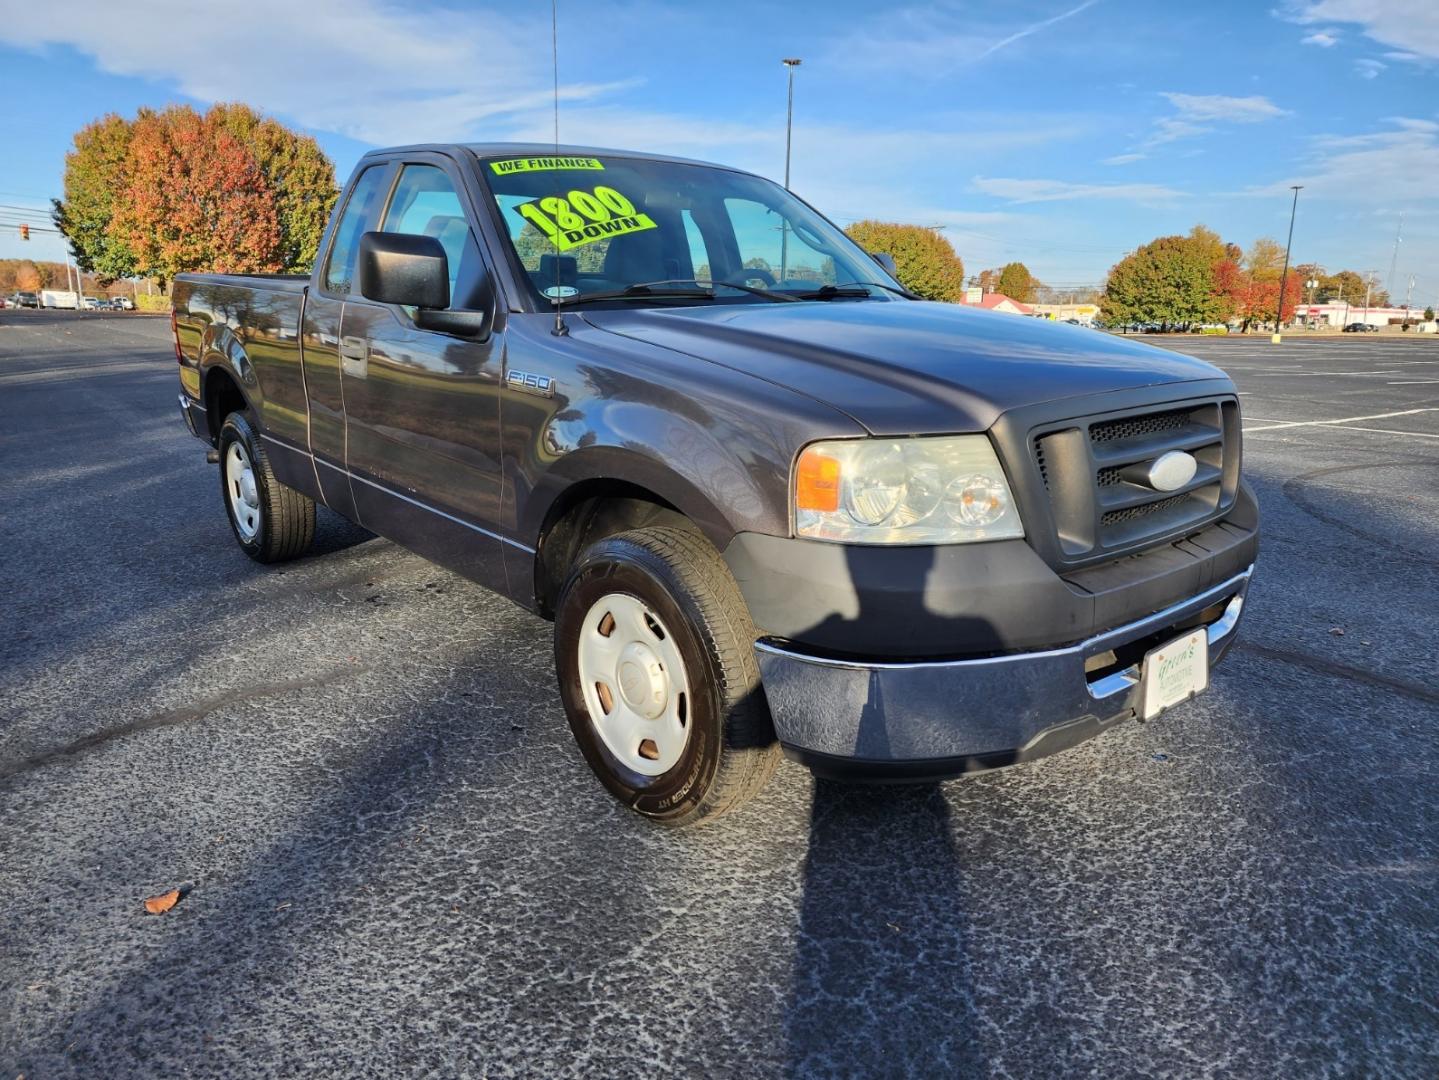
995 301
1083 313
1343 313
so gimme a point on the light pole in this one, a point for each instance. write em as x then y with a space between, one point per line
1284 276
790 64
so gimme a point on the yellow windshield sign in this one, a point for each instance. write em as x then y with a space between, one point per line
544 164
582 217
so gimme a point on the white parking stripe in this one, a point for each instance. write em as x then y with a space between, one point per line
1345 420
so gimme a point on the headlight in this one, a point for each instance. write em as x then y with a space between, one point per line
945 490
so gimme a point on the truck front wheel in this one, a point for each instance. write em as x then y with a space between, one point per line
271 522
655 653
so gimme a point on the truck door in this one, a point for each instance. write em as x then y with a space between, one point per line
320 344
422 407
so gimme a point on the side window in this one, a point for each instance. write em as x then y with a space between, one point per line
425 203
359 210
699 254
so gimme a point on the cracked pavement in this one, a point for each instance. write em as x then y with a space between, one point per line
396 863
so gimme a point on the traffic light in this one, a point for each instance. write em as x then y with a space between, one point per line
24 232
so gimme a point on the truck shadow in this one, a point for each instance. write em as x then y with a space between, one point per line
882 980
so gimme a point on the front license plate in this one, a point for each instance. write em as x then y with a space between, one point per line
1175 672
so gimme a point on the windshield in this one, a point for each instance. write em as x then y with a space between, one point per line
583 226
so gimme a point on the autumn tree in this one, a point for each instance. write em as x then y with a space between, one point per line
924 260
1167 281
27 278
1429 314
297 171
1017 283
1264 255
173 190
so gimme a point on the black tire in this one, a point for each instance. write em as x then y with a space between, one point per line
731 750
286 526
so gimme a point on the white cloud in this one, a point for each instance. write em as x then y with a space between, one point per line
1409 25
1122 159
1405 57
1322 38
1380 169
1032 191
1409 123
1237 110
1368 69
362 68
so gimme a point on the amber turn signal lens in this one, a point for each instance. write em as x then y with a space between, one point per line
817 482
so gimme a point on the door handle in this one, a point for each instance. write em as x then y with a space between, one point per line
354 356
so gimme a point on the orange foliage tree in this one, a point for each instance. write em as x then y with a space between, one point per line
195 198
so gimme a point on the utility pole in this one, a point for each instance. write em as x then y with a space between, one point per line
790 64
1408 296
1368 288
1284 276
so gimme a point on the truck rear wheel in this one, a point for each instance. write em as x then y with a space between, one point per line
271 522
655 653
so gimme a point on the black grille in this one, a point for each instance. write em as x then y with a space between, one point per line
1131 513
1093 473
1131 427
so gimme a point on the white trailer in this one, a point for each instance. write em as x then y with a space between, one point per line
58 298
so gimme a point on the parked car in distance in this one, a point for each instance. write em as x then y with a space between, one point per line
1360 328
772 500
122 303
27 300
91 303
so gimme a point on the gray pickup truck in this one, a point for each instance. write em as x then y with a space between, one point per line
771 500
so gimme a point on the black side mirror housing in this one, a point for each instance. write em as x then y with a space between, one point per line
886 260
402 268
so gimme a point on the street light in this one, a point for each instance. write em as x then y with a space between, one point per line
1284 276
790 63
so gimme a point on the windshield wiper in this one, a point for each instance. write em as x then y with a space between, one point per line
853 288
651 290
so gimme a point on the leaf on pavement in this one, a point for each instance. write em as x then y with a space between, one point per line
158 905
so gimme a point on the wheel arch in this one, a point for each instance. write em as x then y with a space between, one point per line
588 506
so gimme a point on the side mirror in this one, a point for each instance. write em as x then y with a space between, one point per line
886 260
401 268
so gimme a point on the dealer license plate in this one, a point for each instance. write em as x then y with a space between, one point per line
1175 672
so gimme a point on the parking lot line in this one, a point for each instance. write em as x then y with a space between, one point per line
1346 420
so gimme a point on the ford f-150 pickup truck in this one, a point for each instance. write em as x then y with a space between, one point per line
771 500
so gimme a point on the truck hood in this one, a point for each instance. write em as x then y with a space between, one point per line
908 368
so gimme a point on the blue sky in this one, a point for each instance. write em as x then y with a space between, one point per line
1059 133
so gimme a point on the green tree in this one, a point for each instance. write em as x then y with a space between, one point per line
925 261
1169 281
1209 245
1017 283
1429 314
1351 286
94 176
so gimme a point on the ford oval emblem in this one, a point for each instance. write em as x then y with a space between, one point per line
1171 471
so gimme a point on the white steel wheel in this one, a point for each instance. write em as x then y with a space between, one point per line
634 683
242 491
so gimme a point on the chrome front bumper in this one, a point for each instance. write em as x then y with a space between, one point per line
961 715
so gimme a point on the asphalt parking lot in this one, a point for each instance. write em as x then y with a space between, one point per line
396 862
